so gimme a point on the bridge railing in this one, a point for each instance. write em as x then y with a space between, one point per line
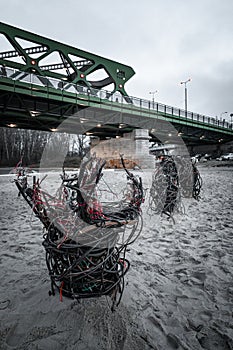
65 86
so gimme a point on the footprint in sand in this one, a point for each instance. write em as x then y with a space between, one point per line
211 339
4 304
171 340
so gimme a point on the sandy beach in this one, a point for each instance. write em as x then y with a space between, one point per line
178 293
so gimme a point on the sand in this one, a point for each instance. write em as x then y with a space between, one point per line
178 293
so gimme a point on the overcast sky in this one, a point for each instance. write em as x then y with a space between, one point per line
164 41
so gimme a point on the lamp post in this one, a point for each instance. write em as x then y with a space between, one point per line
222 121
222 114
185 95
231 115
153 97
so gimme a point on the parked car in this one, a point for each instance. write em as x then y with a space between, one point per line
196 157
207 156
228 156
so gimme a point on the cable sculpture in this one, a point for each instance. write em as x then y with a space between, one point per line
165 195
174 178
197 182
86 239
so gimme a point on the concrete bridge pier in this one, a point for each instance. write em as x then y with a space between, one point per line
134 146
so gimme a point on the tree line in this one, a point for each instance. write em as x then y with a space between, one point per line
29 145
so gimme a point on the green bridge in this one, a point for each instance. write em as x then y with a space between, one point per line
43 83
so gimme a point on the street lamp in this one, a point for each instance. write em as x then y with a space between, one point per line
223 113
153 96
223 121
185 95
231 115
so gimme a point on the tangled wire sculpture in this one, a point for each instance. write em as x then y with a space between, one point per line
197 182
189 177
86 239
165 195
166 191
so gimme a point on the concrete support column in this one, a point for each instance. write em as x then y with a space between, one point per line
141 138
134 146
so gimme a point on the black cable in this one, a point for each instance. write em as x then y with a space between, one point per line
164 192
86 245
197 182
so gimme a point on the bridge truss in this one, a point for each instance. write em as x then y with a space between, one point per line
31 53
39 95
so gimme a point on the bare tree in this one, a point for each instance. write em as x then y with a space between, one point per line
29 145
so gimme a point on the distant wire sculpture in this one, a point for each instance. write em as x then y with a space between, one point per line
165 196
197 182
86 239
175 177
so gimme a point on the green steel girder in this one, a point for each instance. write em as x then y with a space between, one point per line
30 51
46 109
39 96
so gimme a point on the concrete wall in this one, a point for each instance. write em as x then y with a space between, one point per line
134 146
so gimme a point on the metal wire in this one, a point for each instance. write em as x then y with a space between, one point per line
85 242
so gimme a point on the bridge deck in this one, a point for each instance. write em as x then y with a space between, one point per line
24 95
